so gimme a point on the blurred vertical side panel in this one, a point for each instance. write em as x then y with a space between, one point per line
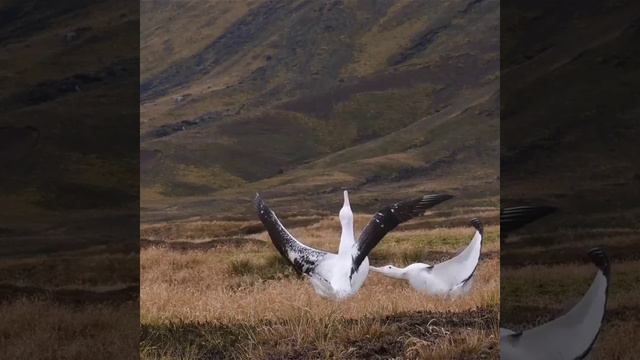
570 179
69 193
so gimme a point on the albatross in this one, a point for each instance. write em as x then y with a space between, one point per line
570 336
340 276
450 278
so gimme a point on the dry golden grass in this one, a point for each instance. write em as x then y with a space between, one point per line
202 287
248 303
39 329
78 305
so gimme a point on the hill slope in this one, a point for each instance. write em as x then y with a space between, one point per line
68 129
391 98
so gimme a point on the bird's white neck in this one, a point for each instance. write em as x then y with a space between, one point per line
347 238
391 271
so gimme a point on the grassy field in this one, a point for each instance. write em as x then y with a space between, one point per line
47 329
241 300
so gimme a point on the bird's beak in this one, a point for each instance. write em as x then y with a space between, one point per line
374 268
346 199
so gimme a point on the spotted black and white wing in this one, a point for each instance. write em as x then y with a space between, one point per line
386 220
303 258
570 336
513 218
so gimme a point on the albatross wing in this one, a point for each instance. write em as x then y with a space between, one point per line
570 336
386 220
512 218
460 269
303 258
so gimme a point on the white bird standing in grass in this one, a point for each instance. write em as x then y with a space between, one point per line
450 278
340 276
570 336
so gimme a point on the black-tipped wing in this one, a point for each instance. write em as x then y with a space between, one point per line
302 257
387 219
513 218
477 224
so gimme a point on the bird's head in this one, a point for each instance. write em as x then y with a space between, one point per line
389 270
346 215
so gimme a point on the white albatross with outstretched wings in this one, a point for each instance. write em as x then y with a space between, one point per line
449 278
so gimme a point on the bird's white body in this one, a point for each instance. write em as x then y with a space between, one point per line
450 278
331 278
432 284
